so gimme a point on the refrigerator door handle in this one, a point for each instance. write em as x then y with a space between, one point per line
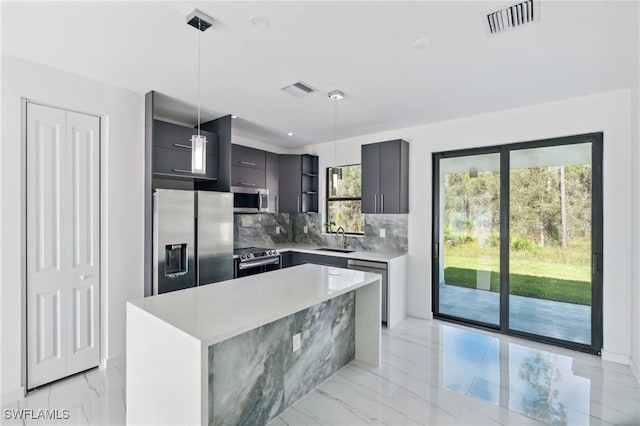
177 274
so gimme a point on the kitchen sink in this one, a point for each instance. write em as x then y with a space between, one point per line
339 250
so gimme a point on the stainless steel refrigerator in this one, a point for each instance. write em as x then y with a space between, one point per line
192 238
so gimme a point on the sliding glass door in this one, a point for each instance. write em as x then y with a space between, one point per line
469 285
518 239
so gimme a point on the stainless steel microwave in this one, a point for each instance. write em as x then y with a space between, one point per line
250 200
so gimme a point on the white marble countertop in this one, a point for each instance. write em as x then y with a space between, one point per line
360 255
215 312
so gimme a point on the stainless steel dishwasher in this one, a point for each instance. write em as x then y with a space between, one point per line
377 268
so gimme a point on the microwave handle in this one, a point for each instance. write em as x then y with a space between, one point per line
259 201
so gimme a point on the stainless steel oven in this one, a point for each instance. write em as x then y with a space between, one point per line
254 260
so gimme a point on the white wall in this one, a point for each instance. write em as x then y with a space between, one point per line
122 169
239 140
635 211
608 112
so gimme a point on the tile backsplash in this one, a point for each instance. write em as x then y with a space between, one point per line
259 230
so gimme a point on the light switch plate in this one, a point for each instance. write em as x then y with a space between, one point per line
305 229
383 233
277 230
296 342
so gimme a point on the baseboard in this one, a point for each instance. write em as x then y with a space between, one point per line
114 361
13 395
615 357
421 315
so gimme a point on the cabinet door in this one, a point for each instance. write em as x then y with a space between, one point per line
177 163
321 259
172 151
248 177
290 183
370 177
247 157
285 259
272 179
389 196
169 135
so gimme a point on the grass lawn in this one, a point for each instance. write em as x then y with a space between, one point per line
545 273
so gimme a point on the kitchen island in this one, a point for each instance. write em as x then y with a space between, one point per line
227 352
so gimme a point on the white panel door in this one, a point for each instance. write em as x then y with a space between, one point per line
83 277
62 243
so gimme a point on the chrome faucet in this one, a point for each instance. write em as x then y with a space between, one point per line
339 231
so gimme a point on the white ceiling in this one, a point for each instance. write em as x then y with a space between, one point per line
363 48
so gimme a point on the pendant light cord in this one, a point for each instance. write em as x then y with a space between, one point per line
335 134
199 36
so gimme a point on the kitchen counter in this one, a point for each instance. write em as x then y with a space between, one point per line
169 336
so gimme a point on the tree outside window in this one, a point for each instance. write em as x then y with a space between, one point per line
344 199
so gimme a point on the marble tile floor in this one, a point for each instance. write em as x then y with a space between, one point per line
432 373
566 321
95 397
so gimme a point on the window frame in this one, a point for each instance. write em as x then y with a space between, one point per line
327 198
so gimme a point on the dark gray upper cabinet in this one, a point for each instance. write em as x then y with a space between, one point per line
290 183
247 167
298 183
172 151
385 177
272 178
370 175
247 157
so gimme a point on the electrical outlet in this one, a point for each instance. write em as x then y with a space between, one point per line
277 230
383 233
305 229
296 342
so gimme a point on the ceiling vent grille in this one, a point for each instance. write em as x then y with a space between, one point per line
298 89
513 16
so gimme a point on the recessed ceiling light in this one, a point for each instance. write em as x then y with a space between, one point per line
234 116
336 94
289 134
260 21
422 43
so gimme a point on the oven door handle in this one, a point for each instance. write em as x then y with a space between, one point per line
247 265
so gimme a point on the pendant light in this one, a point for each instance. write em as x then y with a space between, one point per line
336 172
201 22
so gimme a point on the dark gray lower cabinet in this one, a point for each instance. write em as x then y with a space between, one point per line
294 258
285 259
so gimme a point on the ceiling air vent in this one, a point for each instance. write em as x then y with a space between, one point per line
298 89
513 16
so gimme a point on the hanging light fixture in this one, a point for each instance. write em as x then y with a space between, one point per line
201 22
336 172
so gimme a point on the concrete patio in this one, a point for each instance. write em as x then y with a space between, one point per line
566 321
